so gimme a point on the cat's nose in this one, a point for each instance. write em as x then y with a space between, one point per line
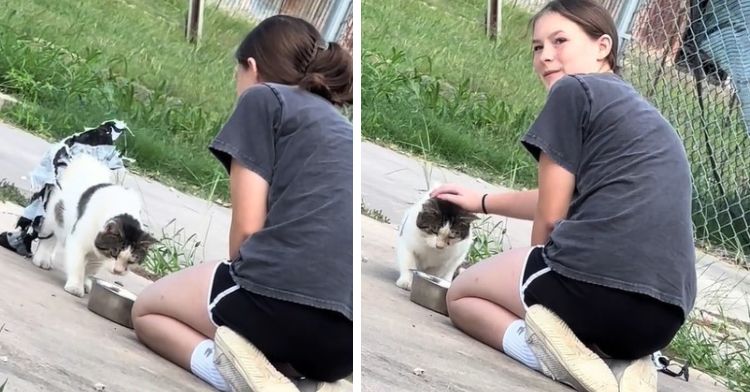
440 245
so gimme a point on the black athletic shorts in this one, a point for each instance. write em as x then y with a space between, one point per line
621 324
317 343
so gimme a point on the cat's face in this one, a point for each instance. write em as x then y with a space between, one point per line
123 240
443 224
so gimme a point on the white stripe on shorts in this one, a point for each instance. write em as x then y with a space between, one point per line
521 285
212 304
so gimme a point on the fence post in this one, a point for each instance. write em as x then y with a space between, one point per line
494 22
335 19
194 22
623 20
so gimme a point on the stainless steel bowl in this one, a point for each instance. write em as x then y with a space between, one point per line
111 302
429 291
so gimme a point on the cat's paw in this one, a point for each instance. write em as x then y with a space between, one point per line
404 282
75 289
41 261
87 285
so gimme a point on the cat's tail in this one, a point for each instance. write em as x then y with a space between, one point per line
85 170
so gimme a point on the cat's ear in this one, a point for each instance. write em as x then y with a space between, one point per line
106 240
431 206
112 227
147 240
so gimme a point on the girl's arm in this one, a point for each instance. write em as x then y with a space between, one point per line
249 194
556 186
518 205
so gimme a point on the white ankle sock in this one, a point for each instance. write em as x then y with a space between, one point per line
514 345
202 365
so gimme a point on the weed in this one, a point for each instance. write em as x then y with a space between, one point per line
172 253
488 240
717 347
10 193
374 214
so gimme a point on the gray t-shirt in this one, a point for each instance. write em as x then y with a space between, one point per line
302 146
628 225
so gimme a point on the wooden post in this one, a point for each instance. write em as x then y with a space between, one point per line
194 22
494 20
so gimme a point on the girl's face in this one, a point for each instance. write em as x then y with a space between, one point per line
245 77
561 47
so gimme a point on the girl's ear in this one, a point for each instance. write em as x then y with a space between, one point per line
604 46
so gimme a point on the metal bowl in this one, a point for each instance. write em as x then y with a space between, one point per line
429 291
111 302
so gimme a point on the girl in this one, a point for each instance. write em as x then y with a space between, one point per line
284 295
611 268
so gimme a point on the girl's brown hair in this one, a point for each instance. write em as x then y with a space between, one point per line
290 50
594 19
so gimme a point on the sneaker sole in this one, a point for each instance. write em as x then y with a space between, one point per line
640 376
244 367
589 372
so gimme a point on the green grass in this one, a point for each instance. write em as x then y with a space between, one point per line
374 214
73 64
173 252
432 84
717 348
10 193
488 240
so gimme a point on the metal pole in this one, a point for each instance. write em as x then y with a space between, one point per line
624 21
194 23
335 18
494 20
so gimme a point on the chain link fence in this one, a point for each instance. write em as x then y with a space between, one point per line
690 59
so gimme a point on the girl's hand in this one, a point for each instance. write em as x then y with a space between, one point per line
465 198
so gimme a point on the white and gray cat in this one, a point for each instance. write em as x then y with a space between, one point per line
91 220
435 238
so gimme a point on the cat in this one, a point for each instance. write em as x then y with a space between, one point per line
435 237
91 220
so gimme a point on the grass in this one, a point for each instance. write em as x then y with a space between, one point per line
456 98
488 240
171 253
374 214
72 65
10 193
716 347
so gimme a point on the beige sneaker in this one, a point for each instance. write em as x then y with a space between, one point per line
563 357
634 376
244 367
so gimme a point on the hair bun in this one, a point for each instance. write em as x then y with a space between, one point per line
316 84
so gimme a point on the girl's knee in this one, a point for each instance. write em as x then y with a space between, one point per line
452 295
